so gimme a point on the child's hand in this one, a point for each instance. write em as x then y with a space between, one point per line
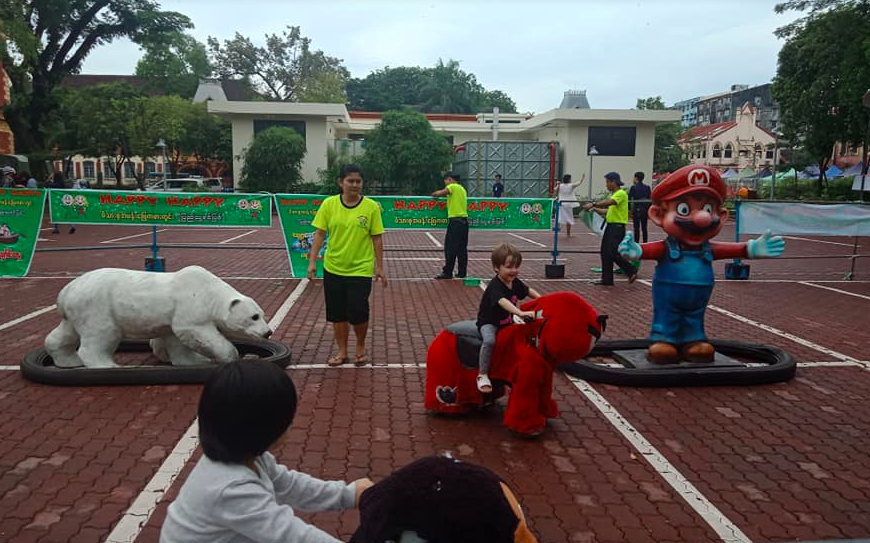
527 316
361 486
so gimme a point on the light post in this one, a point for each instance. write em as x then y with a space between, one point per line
775 163
866 102
162 145
592 152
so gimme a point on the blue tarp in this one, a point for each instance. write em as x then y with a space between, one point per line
854 170
833 171
729 173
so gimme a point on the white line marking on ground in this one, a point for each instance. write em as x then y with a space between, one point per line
133 236
237 237
717 520
29 316
128 528
834 364
350 365
807 283
775 331
9 368
533 242
435 241
130 525
820 241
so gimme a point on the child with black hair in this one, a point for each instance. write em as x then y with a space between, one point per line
238 492
498 304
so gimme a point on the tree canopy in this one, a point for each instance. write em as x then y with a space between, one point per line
285 69
667 155
821 79
404 153
273 161
174 64
444 88
43 42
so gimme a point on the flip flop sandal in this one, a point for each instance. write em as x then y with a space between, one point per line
361 360
336 361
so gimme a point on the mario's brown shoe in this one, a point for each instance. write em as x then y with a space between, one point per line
700 351
662 353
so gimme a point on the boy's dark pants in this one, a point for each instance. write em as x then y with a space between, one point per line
613 234
456 246
640 227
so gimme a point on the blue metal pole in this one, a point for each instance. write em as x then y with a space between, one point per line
737 224
154 247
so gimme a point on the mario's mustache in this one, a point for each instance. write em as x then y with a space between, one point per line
689 225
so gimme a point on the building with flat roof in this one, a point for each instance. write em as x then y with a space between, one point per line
623 138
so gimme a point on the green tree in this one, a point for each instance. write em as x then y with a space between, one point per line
667 155
285 68
324 87
499 99
385 89
174 65
448 89
815 7
42 42
273 162
208 138
155 118
821 79
404 152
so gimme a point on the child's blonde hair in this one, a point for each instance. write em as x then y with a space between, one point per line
504 251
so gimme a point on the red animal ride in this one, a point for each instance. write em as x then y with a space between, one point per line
524 358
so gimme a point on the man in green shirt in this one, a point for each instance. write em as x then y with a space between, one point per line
615 211
456 239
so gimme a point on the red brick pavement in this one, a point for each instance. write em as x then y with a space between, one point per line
782 462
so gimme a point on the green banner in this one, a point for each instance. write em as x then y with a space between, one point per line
20 219
296 211
160 208
408 212
593 221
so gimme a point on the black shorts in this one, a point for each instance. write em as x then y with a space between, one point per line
347 297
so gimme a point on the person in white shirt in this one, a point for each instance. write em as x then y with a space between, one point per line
238 492
568 201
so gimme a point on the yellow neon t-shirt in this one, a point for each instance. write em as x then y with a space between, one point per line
457 201
349 249
618 213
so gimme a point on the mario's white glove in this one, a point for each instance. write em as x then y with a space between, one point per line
766 246
629 248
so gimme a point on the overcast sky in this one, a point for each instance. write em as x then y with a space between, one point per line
616 50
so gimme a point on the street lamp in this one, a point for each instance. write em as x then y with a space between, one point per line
162 145
592 152
866 102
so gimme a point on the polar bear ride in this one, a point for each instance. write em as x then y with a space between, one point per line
187 316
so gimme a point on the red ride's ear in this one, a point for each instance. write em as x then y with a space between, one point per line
531 305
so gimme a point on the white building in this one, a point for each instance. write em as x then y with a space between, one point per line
624 139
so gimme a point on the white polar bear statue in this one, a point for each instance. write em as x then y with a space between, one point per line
186 315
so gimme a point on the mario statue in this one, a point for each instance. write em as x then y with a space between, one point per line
688 206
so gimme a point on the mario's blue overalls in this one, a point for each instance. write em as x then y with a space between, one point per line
682 285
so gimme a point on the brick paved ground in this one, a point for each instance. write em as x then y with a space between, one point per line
779 462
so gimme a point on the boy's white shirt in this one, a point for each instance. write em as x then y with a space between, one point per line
229 503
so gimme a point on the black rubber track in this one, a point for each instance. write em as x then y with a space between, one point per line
39 367
778 366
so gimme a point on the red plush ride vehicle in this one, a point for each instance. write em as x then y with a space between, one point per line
524 358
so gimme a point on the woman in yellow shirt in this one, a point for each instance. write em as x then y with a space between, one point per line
354 250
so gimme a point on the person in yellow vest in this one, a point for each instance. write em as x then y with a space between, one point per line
456 239
615 210
354 250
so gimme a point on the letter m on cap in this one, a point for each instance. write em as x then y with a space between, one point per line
699 177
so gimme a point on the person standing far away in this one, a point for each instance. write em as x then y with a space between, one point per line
568 201
456 239
615 210
8 177
31 182
498 187
639 209
355 247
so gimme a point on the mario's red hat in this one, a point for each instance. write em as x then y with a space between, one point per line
692 178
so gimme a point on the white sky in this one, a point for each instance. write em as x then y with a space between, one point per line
534 50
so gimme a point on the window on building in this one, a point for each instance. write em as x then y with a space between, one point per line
129 170
150 167
757 101
704 152
88 168
613 140
717 150
729 151
108 169
265 124
768 154
757 150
